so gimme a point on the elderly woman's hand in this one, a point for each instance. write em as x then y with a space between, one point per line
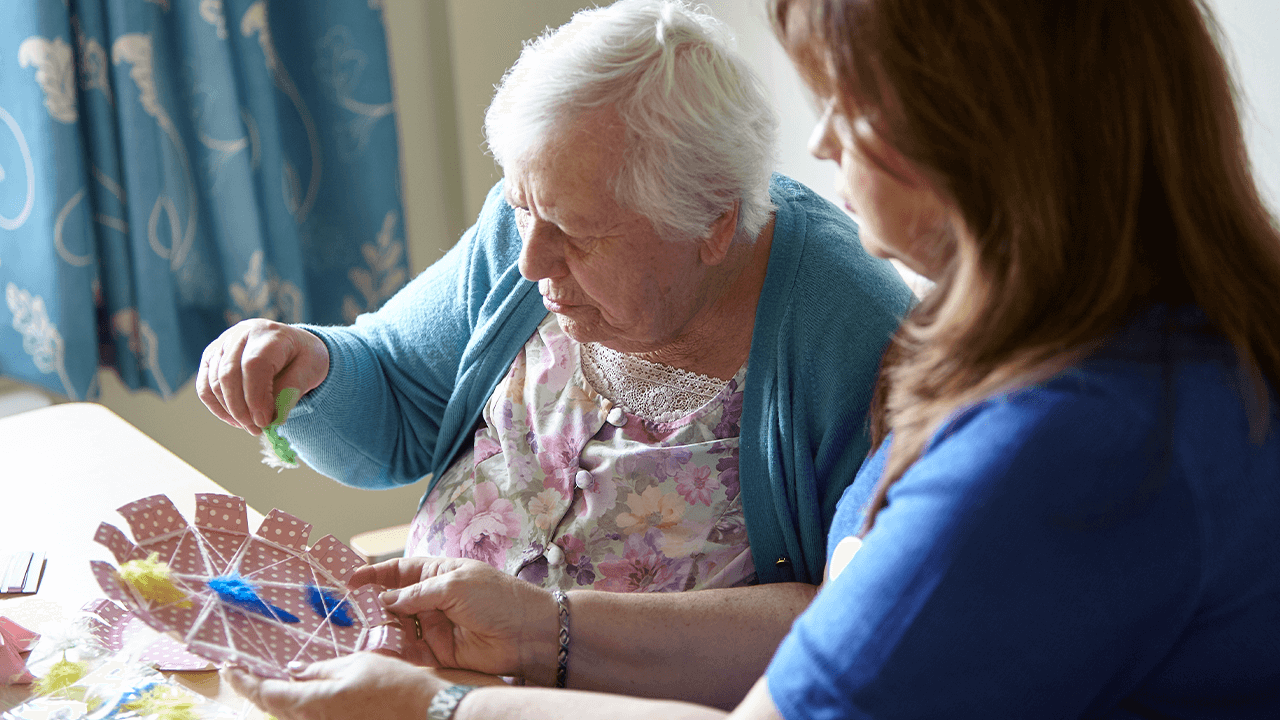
359 685
250 363
473 616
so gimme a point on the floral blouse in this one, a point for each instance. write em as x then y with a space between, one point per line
566 490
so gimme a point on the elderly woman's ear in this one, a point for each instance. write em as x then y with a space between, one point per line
715 246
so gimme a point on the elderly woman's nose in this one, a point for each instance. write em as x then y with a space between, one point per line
542 254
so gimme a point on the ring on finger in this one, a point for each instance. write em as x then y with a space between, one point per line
417 627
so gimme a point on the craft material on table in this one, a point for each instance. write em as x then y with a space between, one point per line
14 640
20 572
118 689
118 630
261 600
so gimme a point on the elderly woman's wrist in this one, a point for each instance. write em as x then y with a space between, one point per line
540 641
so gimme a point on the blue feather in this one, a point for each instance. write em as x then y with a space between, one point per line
329 606
235 590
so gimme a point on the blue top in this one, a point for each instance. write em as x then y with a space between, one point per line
407 383
1105 544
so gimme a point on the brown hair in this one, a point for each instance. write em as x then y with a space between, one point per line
1094 152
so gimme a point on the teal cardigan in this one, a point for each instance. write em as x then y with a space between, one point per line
407 383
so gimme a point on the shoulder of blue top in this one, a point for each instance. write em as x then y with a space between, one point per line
276 450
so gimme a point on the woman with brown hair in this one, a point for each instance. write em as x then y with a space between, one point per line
1072 509
1077 477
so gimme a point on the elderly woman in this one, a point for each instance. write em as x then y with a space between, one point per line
646 367
1072 508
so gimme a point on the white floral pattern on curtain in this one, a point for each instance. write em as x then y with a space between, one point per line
170 168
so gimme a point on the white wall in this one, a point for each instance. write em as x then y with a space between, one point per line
447 57
488 35
1250 27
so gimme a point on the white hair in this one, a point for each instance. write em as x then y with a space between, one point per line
701 132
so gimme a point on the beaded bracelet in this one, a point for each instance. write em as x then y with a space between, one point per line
562 657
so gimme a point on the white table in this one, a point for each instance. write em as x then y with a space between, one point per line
63 470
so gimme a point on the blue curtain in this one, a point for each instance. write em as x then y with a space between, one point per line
170 167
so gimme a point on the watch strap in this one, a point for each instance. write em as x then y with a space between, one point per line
445 702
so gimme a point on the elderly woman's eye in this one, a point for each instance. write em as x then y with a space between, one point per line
524 219
582 243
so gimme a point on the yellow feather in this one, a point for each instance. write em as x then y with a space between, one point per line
165 703
150 578
61 676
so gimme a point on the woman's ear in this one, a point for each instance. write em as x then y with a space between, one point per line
715 246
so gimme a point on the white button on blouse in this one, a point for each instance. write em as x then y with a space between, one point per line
555 556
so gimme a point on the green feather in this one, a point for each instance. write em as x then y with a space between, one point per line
276 449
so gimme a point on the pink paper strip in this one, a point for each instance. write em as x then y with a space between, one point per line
14 639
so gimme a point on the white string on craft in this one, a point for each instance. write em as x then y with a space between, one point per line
280 576
233 565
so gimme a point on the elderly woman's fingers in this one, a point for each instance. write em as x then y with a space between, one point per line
404 572
261 358
216 379
423 596
477 615
241 372
439 584
459 612
278 356
231 379
207 384
428 640
465 590
389 574
213 381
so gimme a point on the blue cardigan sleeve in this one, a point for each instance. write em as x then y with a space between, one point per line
407 383
826 314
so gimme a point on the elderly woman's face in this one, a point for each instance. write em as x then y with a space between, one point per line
603 271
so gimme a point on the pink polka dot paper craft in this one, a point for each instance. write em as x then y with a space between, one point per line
261 600
117 628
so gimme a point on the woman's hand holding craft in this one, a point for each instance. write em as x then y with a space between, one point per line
473 616
349 686
242 371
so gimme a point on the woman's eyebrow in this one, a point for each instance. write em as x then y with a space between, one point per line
587 227
570 223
